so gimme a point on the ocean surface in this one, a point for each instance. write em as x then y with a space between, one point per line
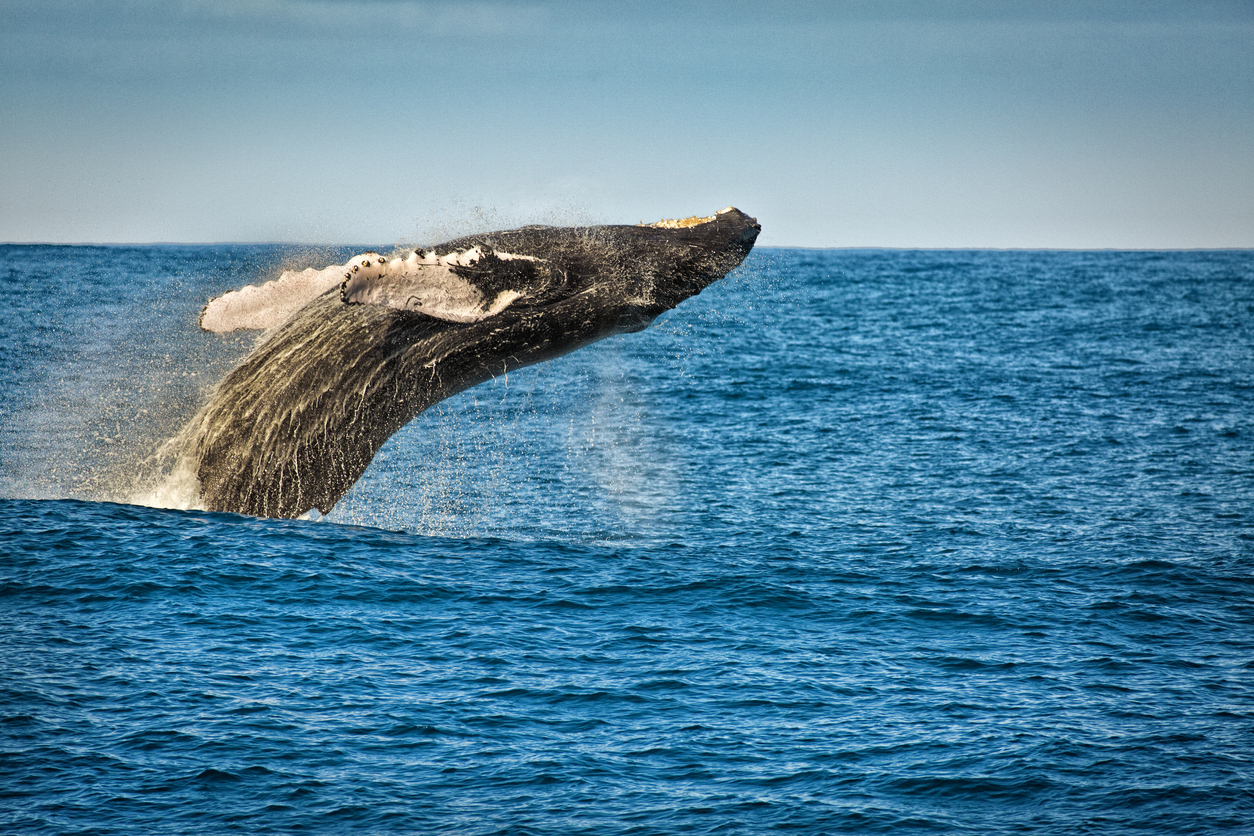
856 541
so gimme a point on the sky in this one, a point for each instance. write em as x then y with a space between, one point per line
1060 124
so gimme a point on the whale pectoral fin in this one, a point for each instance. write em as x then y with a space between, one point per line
265 306
464 285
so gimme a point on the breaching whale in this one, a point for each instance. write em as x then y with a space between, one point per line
356 351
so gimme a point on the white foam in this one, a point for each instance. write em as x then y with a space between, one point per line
179 489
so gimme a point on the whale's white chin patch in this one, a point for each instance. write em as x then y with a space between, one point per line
423 283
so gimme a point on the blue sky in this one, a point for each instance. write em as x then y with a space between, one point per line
901 124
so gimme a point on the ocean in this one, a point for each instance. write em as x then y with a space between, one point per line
856 541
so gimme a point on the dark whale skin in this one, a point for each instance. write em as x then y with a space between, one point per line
297 423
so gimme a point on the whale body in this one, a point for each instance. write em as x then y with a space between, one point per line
357 351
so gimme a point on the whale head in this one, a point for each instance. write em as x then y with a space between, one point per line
622 276
686 256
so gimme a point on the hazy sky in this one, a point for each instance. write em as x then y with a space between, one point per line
903 124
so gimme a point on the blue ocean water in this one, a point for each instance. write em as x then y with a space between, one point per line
853 542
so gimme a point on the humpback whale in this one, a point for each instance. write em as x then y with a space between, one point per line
354 352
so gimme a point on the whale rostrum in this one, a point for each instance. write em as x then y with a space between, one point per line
356 351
